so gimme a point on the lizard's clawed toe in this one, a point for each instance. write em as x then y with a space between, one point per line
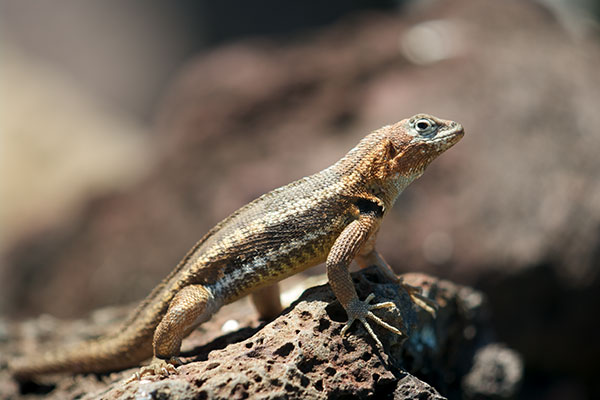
361 310
158 367
417 297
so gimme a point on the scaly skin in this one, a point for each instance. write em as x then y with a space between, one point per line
332 216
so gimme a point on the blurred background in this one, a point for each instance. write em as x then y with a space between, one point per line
128 129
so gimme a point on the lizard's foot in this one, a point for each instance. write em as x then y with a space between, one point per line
157 367
361 310
417 297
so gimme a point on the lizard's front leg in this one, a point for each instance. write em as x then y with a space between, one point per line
345 248
370 256
189 307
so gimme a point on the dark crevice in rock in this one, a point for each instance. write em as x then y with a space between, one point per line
285 350
35 388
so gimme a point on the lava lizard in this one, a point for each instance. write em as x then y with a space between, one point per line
332 216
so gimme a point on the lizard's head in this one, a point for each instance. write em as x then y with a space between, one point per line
390 158
415 142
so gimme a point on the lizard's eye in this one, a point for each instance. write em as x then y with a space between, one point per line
425 126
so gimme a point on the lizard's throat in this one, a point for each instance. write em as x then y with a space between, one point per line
398 183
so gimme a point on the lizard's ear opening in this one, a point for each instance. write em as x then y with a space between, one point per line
393 155
390 151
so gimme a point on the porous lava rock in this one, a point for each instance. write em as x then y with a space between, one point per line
301 354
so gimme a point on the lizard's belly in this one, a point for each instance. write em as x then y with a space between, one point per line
251 270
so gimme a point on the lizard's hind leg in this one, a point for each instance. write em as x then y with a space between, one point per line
267 301
191 306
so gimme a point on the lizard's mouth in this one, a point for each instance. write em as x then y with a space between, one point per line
451 135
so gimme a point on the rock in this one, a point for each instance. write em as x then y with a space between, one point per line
496 373
411 388
301 355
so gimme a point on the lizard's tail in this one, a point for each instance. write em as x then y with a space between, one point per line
102 355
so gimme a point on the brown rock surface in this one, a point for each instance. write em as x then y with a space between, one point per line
301 355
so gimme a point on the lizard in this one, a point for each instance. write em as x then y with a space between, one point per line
332 216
